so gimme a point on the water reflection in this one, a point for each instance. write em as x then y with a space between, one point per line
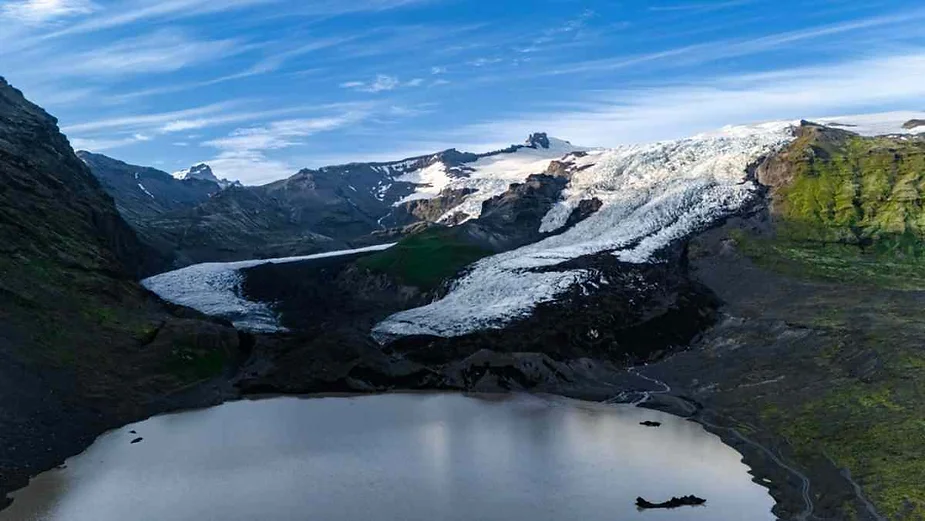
398 457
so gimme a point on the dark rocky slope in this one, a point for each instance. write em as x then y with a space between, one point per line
82 346
148 199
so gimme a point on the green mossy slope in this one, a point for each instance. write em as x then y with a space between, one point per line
427 258
849 210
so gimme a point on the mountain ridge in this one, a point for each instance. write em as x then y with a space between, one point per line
313 210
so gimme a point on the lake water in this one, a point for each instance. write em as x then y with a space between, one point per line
407 457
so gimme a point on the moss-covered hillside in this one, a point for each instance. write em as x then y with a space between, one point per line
847 218
426 259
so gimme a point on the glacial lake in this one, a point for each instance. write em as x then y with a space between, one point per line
401 457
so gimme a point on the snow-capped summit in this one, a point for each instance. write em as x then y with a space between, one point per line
203 172
483 176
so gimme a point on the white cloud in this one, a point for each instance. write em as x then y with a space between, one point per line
131 12
701 7
701 53
243 153
383 82
159 52
417 82
438 70
482 62
142 121
40 11
279 134
653 114
100 145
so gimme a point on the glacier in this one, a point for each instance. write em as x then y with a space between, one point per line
214 288
487 177
652 195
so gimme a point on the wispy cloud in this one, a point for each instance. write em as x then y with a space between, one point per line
104 144
482 62
131 12
41 11
658 113
159 52
243 154
97 135
731 48
341 7
275 61
144 121
701 7
382 83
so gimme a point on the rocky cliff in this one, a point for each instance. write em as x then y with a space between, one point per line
82 346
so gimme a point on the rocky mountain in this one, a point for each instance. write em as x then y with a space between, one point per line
83 347
203 172
143 193
195 217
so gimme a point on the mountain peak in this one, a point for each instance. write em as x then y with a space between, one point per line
203 172
538 140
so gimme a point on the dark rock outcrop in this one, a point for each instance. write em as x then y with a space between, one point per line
427 210
675 502
538 140
83 348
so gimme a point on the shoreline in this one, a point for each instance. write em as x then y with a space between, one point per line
764 472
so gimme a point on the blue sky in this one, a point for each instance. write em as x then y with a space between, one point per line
262 88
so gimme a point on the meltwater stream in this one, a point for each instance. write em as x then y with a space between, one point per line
405 457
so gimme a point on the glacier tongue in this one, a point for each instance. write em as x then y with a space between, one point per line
214 288
652 195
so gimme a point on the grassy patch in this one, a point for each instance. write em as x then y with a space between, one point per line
832 262
191 365
426 259
873 432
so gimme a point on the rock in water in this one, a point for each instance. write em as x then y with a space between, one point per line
651 424
674 502
137 440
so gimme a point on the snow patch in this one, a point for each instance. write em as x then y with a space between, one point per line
145 190
215 289
888 123
486 177
430 182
